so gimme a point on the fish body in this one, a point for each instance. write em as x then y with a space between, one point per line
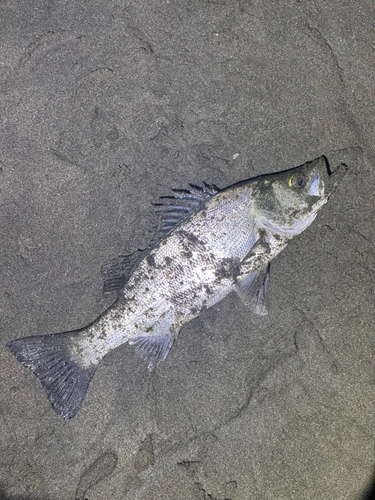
215 242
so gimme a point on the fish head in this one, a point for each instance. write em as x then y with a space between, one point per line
286 203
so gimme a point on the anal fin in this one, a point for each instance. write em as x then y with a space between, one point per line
153 348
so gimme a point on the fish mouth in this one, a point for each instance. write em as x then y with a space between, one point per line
333 176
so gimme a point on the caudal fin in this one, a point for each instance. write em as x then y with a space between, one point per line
63 379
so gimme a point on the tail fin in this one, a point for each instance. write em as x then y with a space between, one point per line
63 379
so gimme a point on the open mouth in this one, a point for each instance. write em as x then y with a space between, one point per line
334 176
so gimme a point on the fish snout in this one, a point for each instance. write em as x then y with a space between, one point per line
317 186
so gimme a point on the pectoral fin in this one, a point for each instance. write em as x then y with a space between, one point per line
260 248
252 289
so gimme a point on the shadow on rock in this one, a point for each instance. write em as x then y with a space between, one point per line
97 471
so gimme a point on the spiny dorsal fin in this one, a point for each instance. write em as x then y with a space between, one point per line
178 207
173 209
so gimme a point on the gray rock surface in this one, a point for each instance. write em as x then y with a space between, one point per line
104 107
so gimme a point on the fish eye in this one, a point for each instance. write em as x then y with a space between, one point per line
297 181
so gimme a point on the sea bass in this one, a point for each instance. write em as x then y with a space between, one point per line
215 242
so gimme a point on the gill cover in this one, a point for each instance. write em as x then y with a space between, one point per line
287 203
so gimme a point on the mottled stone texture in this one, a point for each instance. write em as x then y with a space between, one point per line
106 105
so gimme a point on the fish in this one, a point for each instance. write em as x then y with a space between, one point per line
213 242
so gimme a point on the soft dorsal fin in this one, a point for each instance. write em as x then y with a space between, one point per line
117 271
177 207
